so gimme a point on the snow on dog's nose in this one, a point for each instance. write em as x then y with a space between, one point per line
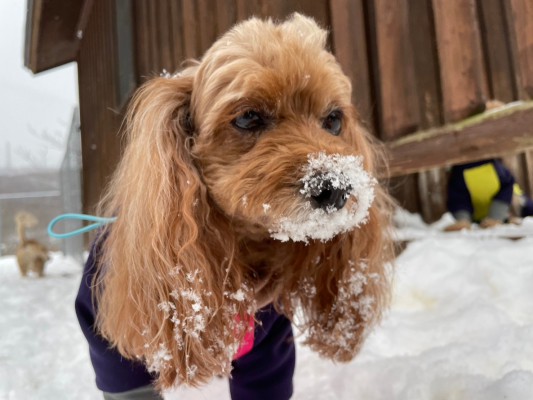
339 193
326 196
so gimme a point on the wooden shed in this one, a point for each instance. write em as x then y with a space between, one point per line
422 71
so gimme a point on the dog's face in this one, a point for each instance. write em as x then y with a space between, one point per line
276 137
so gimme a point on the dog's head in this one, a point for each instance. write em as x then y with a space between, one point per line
276 138
254 155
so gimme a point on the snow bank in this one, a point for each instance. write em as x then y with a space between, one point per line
461 326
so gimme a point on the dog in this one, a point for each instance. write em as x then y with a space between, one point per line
31 255
247 179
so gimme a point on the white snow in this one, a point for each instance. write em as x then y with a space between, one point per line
460 327
411 227
43 354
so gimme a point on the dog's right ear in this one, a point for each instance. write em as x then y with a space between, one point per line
165 291
156 178
152 193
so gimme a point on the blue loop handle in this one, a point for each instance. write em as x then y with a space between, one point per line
98 222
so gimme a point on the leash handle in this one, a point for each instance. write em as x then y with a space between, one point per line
98 222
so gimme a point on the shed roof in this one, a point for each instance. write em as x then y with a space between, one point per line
54 29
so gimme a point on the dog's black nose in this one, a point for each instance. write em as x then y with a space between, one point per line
330 197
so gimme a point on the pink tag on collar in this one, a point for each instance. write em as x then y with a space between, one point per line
247 343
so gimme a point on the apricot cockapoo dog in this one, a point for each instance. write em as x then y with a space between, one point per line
247 179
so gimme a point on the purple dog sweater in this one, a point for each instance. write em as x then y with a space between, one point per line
263 373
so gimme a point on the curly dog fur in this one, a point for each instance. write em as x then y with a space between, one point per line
199 196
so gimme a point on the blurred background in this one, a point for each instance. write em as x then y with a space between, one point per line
39 121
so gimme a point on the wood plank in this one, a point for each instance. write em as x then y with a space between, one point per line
275 9
84 18
433 192
520 20
176 34
207 11
460 58
521 166
126 74
425 63
405 190
317 9
142 45
226 16
528 173
52 37
151 34
516 164
247 9
497 50
190 29
350 46
163 32
396 102
491 134
100 121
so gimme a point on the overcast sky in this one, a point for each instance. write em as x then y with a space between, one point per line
35 110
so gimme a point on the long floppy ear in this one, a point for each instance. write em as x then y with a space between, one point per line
167 294
347 280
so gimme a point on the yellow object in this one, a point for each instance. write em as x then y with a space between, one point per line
483 184
517 190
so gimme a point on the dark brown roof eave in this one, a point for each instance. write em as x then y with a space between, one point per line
53 30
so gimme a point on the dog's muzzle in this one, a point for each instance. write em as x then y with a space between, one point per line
337 193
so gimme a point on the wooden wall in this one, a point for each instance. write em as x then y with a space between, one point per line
414 65
420 64
100 112
171 31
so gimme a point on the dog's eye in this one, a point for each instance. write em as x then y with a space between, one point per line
251 121
333 122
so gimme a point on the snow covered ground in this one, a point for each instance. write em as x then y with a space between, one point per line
460 327
43 354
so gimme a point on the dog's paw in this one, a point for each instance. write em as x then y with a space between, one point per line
458 226
490 223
